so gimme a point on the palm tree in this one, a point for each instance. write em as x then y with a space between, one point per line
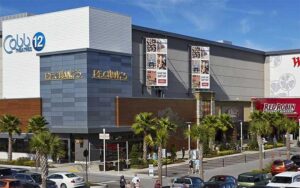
272 118
143 125
36 125
225 123
46 144
259 126
201 134
10 124
288 126
163 127
211 122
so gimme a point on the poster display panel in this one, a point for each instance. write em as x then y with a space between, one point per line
200 64
156 62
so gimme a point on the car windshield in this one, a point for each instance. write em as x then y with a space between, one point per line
278 163
2 184
182 181
245 178
281 179
196 181
37 178
218 178
71 175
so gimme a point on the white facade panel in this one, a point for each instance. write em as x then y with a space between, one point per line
64 30
284 76
110 31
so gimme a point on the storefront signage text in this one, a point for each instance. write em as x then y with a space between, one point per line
23 43
296 61
109 75
64 75
280 107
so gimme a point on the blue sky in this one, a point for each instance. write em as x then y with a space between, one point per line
259 24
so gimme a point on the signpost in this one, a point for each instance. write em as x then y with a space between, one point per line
103 136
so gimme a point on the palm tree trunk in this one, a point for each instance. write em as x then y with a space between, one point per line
288 146
44 169
201 169
144 149
259 141
9 153
210 143
159 164
37 159
224 137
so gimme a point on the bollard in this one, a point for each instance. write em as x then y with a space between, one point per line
245 158
223 162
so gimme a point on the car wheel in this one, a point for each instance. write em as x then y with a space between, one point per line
63 186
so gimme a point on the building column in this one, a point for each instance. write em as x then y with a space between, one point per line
69 149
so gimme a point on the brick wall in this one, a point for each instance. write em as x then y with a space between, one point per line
21 108
129 107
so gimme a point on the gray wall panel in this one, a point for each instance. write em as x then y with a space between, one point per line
235 74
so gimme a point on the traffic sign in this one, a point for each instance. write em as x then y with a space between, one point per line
103 136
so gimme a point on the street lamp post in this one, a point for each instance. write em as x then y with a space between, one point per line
189 139
241 124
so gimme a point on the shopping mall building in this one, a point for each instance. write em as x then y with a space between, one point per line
87 69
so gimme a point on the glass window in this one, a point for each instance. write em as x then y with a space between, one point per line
281 179
71 175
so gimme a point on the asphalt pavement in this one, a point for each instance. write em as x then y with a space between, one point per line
226 165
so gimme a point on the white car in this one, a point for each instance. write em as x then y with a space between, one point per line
67 180
285 179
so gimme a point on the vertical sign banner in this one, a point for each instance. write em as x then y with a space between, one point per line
156 62
200 67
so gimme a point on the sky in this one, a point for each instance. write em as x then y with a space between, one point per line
267 25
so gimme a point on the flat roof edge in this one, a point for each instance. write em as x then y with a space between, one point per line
283 52
185 37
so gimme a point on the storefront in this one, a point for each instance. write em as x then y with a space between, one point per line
92 69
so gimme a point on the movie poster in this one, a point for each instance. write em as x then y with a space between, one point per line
200 67
156 62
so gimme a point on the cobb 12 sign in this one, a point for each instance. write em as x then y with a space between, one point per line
20 43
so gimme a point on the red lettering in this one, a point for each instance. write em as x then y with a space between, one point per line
296 61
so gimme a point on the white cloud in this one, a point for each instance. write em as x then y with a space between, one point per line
245 26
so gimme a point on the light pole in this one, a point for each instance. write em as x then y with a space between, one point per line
189 139
241 124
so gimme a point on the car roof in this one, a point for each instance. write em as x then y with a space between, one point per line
251 173
29 173
288 174
223 176
62 173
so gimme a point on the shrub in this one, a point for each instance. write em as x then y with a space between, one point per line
134 155
253 145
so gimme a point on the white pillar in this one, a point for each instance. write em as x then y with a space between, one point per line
104 151
241 123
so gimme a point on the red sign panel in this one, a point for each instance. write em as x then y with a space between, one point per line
287 106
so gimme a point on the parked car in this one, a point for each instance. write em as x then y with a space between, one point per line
18 170
189 181
279 166
220 185
5 172
223 178
285 179
33 180
67 180
10 183
250 179
296 159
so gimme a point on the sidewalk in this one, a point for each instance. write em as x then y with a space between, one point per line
75 167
